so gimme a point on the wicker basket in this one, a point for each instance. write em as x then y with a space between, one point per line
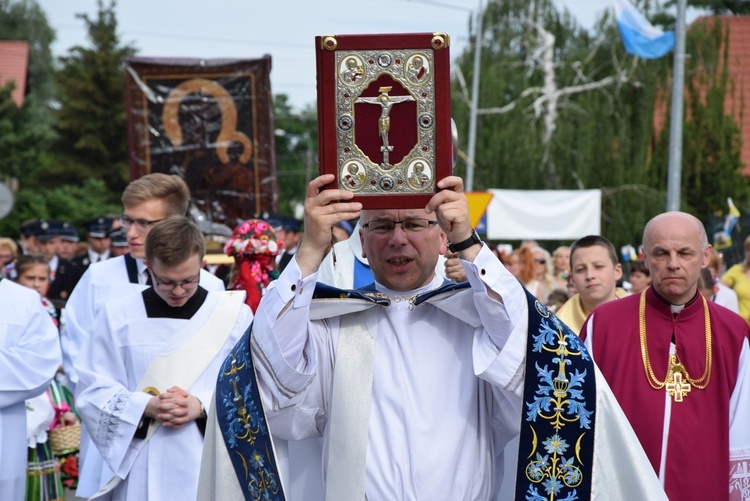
65 440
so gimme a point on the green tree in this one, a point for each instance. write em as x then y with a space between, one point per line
721 7
25 133
711 164
74 203
579 119
25 20
91 122
296 152
22 139
582 114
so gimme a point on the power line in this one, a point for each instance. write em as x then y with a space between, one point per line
177 36
441 4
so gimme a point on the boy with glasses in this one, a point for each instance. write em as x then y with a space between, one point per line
146 201
146 378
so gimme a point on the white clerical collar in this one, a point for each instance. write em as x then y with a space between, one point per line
434 284
676 308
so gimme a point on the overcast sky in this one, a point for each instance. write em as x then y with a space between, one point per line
285 29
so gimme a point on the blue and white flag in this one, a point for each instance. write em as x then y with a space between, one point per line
640 37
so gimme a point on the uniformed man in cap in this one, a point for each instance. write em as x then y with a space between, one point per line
28 241
64 273
97 236
69 241
48 239
118 243
289 231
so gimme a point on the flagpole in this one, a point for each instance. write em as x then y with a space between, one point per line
674 176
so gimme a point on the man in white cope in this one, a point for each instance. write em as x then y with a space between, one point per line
146 201
416 386
29 358
149 373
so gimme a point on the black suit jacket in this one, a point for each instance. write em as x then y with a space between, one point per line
66 277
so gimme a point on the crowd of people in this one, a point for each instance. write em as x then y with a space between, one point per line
419 360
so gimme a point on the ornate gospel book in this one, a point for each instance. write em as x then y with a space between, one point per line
384 116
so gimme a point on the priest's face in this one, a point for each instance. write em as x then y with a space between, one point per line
176 284
675 249
138 220
402 258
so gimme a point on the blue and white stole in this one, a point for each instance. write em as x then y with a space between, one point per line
556 447
244 427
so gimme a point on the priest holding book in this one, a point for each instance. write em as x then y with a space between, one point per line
416 384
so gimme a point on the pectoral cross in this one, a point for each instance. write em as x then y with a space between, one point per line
678 388
386 102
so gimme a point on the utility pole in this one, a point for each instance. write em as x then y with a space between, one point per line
674 176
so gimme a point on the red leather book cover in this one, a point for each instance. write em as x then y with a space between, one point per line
384 115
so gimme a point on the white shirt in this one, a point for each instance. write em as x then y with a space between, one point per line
53 264
95 257
726 297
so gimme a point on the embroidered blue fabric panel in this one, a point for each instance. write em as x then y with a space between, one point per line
556 450
243 425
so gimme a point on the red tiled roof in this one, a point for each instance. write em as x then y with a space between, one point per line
14 63
739 70
738 63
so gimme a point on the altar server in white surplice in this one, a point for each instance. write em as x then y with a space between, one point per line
148 375
146 201
29 358
416 384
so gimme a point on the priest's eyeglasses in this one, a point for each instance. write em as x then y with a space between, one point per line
169 285
385 226
140 224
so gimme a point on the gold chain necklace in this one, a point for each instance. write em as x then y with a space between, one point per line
677 381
